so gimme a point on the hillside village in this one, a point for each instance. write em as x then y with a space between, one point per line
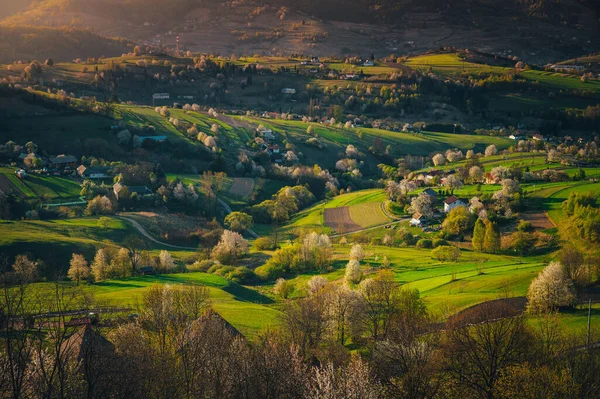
300 224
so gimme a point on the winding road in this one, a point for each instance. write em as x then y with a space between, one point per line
147 235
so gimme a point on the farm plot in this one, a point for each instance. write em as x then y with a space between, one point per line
368 214
7 187
242 187
339 219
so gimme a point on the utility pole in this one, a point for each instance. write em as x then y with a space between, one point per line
589 322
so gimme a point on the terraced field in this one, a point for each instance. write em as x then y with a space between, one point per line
345 213
33 186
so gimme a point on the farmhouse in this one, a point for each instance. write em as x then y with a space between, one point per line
86 346
417 220
21 174
274 149
431 192
432 174
452 202
63 161
567 68
139 190
99 172
265 133
369 63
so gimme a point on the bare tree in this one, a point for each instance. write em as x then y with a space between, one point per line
479 346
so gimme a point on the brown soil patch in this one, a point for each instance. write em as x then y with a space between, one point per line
8 187
539 220
339 220
242 187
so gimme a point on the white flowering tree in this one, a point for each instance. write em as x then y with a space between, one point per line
167 263
357 253
79 269
438 159
316 284
550 289
231 247
491 150
353 272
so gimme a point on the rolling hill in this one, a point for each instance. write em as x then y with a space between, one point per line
33 42
538 31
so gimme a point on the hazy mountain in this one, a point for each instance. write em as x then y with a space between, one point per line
29 42
536 30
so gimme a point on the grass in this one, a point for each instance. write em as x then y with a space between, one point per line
45 187
368 214
364 204
244 308
53 242
400 143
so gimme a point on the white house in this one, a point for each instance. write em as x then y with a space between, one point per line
369 63
288 90
266 134
417 220
452 202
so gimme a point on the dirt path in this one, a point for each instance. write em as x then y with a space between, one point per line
386 213
147 235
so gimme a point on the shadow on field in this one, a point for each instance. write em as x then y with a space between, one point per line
117 284
242 293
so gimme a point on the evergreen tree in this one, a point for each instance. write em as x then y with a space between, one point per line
491 241
478 235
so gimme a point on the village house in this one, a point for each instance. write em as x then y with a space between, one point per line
99 172
369 63
453 202
265 133
63 161
138 190
288 90
432 174
274 149
417 220
432 193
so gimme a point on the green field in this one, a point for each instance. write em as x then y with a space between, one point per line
44 187
54 241
246 309
364 204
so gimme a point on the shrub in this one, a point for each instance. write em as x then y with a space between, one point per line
525 226
201 265
264 244
446 252
240 275
439 242
269 271
424 243
282 288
